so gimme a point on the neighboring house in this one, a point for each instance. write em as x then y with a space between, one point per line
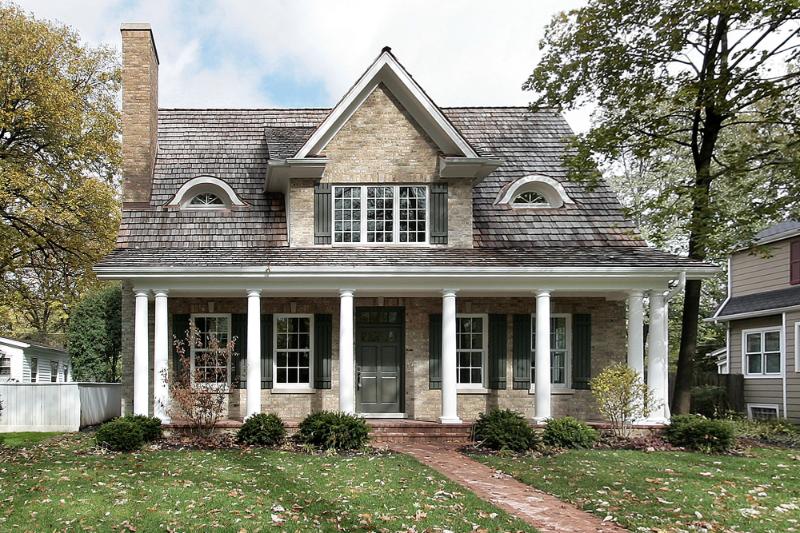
386 257
25 362
720 358
762 312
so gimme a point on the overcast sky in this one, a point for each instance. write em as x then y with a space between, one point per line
236 53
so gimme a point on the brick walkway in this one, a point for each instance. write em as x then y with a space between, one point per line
544 512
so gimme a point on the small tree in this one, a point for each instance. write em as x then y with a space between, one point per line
94 336
621 397
198 394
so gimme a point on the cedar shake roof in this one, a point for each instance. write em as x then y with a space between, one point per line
762 301
234 145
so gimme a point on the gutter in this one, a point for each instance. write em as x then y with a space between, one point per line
677 288
783 363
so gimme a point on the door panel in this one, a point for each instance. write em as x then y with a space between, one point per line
379 360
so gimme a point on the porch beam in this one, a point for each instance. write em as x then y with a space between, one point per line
347 398
253 403
161 357
141 356
657 358
449 381
636 332
542 357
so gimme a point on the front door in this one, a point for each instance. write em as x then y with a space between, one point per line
379 359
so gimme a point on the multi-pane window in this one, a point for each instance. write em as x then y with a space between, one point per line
380 214
34 369
293 350
559 349
5 366
413 214
53 371
206 199
66 372
210 359
762 352
470 350
762 412
347 214
530 198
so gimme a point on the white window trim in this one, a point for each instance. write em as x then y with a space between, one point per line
34 379
9 366
551 189
278 387
484 356
764 374
567 385
775 406
192 347
54 364
797 347
202 184
395 215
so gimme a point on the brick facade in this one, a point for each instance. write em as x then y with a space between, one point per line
421 403
380 143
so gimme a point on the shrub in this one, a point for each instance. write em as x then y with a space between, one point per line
699 433
710 401
567 432
330 430
121 435
262 430
777 432
149 425
504 430
622 397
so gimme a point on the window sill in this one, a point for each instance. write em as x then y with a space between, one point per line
762 376
293 391
472 391
554 391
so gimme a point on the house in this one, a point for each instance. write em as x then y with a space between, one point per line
26 362
762 314
386 257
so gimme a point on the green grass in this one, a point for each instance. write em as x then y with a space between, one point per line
671 490
25 438
66 485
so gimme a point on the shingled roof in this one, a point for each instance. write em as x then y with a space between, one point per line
235 145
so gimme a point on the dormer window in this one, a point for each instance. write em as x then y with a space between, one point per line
205 192
531 198
206 200
534 192
386 214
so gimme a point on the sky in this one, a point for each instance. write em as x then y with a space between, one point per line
307 53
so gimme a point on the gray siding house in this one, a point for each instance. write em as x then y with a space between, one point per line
386 257
762 313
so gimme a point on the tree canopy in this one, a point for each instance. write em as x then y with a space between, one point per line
704 95
59 155
94 336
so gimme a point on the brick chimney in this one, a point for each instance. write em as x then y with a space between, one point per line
139 111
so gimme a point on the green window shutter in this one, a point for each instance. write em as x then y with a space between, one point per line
323 348
439 213
239 358
498 343
581 351
266 351
322 213
522 351
435 352
180 323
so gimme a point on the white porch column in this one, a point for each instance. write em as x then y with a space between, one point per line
161 356
347 391
636 332
657 358
542 405
449 392
141 356
253 404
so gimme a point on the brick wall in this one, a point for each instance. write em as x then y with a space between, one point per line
381 143
608 345
139 111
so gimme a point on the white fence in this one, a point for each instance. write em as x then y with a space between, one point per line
57 406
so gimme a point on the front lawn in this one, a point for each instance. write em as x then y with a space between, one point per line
25 438
64 484
671 490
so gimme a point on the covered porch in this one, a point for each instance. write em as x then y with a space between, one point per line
423 347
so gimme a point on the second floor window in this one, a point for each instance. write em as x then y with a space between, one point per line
5 366
380 214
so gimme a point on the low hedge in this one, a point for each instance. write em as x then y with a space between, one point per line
568 432
262 430
503 429
333 430
120 435
699 433
150 426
